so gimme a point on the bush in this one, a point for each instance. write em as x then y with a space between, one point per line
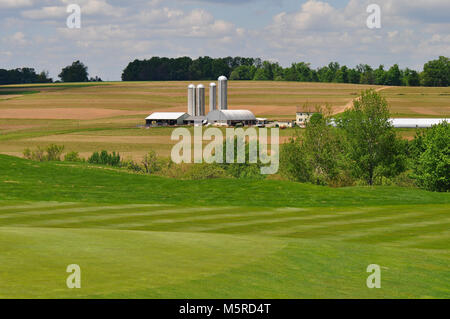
54 152
133 166
205 171
104 158
37 155
73 157
150 163
431 162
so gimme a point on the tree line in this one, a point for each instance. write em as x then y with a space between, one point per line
435 72
23 76
76 72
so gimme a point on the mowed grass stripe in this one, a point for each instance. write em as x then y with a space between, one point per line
284 225
356 224
29 220
159 221
399 232
81 208
421 240
31 205
84 220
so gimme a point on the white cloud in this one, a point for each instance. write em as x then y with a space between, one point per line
16 39
45 13
15 3
88 7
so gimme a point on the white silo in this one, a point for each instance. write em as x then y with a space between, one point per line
191 100
212 97
223 93
200 100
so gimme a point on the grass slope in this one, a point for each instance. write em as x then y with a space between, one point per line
147 237
27 180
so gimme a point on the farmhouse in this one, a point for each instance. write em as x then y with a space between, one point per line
302 117
166 119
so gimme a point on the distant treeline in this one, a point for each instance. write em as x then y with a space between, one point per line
435 73
23 76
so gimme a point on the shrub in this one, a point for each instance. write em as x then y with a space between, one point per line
205 171
73 157
431 163
132 166
54 152
104 158
150 163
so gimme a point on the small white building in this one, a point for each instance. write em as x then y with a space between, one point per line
166 119
301 118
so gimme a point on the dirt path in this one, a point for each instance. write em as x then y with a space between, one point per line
342 109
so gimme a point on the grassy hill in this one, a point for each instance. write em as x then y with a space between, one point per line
151 237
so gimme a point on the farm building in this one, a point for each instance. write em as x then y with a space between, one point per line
166 119
196 109
231 117
416 123
302 117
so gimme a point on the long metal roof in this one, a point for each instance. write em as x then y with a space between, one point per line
166 116
231 115
413 123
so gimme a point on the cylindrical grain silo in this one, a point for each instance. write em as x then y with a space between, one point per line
212 97
200 100
223 93
191 100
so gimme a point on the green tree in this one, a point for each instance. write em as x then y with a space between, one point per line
316 155
380 75
77 72
394 76
431 157
437 72
373 148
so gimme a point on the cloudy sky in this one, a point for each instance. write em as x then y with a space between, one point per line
34 32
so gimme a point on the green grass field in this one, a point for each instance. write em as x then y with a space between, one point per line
137 236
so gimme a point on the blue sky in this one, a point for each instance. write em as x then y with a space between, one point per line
114 32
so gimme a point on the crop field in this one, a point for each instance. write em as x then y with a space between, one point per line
91 117
138 236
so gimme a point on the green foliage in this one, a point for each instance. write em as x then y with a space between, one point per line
54 152
205 171
245 169
77 72
23 76
293 162
73 157
437 72
431 157
105 158
150 163
316 156
51 153
372 147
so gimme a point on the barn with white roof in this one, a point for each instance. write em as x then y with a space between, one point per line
166 118
231 117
